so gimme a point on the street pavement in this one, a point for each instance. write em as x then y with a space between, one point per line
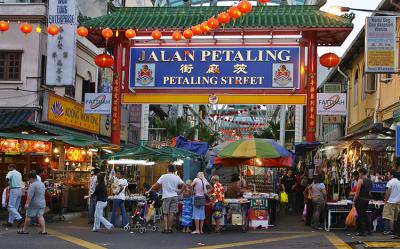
289 233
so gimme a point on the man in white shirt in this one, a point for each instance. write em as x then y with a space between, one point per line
392 197
14 179
170 184
92 200
119 200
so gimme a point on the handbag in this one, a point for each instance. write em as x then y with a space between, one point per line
199 201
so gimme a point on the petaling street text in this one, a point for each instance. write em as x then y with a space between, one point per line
246 80
215 55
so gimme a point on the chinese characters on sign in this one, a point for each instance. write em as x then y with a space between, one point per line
215 68
61 48
115 113
381 50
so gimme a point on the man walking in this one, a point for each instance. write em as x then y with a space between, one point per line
288 185
14 179
170 184
35 204
92 200
119 200
392 198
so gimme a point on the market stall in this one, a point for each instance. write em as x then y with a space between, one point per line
253 160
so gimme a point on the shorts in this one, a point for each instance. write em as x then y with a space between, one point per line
34 212
170 205
391 211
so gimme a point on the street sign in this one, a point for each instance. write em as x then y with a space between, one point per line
332 88
270 67
331 104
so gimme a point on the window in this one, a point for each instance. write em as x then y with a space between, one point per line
370 86
70 91
364 86
355 90
10 66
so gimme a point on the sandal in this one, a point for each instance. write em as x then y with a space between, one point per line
165 231
22 232
43 233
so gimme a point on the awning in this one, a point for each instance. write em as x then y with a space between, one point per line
10 118
43 138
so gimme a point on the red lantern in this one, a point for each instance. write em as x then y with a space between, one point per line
212 23
197 30
53 30
82 31
156 34
177 36
4 26
25 28
130 33
107 33
224 18
234 12
188 34
104 60
329 60
263 1
244 6
204 27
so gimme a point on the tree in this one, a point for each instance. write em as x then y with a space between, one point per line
270 132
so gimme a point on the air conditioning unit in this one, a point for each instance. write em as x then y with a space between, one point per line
370 84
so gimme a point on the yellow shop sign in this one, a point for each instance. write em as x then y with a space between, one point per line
66 112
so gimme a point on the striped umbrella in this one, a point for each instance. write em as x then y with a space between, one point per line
254 148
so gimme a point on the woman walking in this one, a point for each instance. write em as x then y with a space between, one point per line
101 202
200 187
187 208
318 199
361 201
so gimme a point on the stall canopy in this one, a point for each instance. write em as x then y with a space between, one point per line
200 148
151 154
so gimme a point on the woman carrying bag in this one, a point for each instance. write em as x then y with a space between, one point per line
200 188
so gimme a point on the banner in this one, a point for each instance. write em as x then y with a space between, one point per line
65 112
331 104
214 67
380 39
98 103
61 48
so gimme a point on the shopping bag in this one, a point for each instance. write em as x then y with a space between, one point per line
284 197
5 197
305 210
351 218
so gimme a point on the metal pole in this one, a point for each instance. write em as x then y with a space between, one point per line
282 120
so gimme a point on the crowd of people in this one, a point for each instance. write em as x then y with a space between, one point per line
313 193
305 195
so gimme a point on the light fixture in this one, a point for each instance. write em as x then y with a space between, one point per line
127 161
83 152
38 29
47 160
56 150
178 162
24 132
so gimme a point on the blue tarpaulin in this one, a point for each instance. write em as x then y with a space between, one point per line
200 148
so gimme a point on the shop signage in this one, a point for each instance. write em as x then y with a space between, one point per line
98 103
332 88
61 47
332 119
380 39
398 141
65 112
105 127
215 67
331 104
15 146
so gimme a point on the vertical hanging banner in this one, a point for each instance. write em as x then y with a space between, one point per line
61 56
380 48
116 105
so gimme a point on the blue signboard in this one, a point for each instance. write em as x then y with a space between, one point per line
398 141
214 67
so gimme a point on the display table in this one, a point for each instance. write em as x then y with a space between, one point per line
343 207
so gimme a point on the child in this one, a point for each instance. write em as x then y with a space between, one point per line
187 209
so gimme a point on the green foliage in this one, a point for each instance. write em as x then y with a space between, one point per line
270 132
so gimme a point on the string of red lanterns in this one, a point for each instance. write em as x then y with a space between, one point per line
218 115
